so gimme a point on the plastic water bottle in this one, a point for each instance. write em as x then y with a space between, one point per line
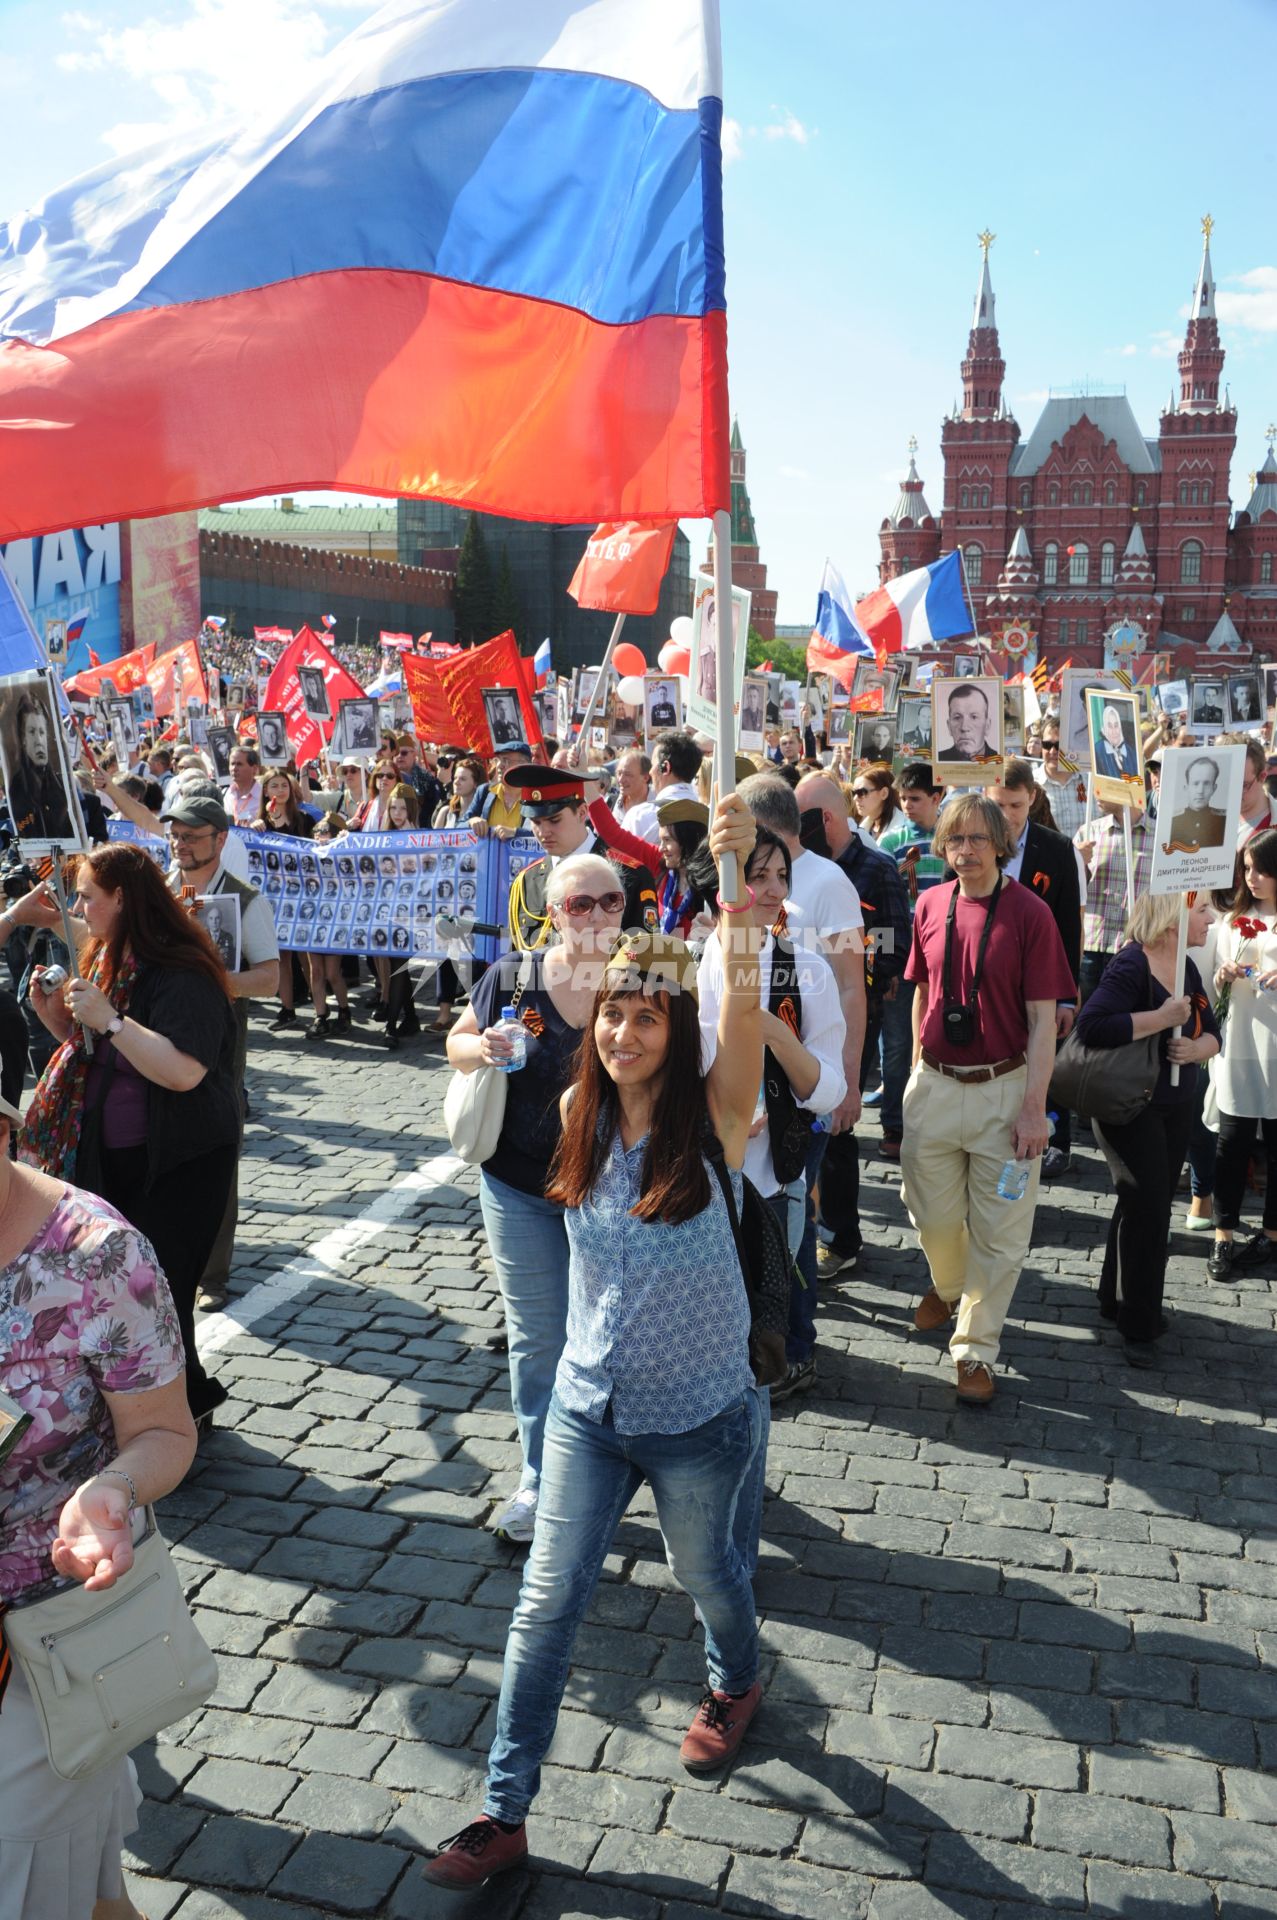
822 1123
1013 1181
512 1029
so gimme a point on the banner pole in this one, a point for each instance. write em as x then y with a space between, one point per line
1181 962
729 878
1129 850
599 684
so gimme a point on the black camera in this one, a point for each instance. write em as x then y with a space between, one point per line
960 1025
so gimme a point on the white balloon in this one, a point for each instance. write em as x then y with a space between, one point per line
630 689
681 630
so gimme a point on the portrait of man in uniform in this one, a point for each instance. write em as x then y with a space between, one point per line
1199 823
966 727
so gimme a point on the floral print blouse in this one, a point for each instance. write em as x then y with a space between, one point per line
84 1310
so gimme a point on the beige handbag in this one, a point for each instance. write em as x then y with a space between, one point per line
474 1103
108 1669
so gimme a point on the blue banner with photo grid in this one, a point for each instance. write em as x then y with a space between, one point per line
379 893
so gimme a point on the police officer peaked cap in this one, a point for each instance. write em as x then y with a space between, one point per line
543 789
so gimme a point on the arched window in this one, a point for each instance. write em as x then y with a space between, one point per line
1190 562
1075 495
1080 565
1110 494
1183 493
986 497
1141 494
1108 563
1192 493
1026 496
1082 633
1053 495
974 557
1088 493
1205 493
1050 564
1266 570
1064 633
964 497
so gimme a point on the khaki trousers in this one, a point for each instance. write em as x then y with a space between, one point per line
957 1139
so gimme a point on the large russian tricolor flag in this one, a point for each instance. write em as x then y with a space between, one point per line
916 609
480 259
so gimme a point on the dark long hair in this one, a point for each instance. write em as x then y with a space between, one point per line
674 1185
1261 851
152 926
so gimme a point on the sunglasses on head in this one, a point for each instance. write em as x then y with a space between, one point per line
578 906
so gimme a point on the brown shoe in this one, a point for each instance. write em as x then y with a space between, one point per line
718 1729
975 1382
933 1312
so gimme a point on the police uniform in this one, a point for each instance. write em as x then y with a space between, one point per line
544 789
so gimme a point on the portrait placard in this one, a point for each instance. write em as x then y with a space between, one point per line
1113 725
44 803
1207 695
222 743
357 726
966 729
702 696
1198 815
219 915
1244 709
753 713
1172 698
314 691
1012 720
1075 737
875 737
840 725
272 739
501 710
914 727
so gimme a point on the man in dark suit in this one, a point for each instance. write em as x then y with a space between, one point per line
1048 864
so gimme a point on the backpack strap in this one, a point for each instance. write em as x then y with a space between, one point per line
714 1154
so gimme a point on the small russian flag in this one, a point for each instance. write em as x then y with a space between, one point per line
264 659
215 620
329 620
541 662
75 626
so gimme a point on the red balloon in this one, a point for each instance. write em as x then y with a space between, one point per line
678 660
628 659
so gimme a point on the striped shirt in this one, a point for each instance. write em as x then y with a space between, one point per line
1108 905
1067 799
910 848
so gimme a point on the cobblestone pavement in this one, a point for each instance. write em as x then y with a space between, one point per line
1017 1661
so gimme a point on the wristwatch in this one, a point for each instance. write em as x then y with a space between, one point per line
114 1025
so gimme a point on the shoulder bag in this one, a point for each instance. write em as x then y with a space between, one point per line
789 1124
1112 1084
766 1269
108 1670
474 1104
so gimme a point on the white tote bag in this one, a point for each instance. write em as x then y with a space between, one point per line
474 1105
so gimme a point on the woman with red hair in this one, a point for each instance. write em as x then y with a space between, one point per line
149 1119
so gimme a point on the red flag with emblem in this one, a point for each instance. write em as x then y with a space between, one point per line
307 737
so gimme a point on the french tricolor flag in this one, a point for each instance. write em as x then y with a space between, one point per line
541 663
478 257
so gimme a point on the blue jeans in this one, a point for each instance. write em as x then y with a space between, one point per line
530 1249
589 1475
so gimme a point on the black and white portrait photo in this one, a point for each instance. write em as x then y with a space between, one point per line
222 744
218 914
1207 707
661 704
753 713
915 726
314 693
501 709
966 725
840 725
43 804
357 726
1244 708
875 737
122 720
1198 814
272 739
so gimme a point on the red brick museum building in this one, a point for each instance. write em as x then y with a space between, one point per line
1089 528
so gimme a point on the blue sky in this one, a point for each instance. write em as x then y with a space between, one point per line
867 147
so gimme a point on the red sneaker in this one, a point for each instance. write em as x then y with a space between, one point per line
718 1729
471 1857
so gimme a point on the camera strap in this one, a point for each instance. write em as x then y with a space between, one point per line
986 930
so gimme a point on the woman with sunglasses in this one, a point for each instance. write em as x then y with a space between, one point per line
876 801
555 991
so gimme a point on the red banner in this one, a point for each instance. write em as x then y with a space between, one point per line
447 707
622 567
307 737
280 634
124 674
162 678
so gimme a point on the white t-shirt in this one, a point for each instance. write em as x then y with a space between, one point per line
822 902
824 1032
641 820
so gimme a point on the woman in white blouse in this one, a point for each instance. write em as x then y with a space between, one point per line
1246 1074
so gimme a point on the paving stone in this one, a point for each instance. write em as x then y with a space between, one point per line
994 1869
240 1786
1237 1850
353 1876
1015 1759
1126 1890
736 1824
1094 1826
1130 1773
757 1885
336 1805
325 1699
664 1864
235 1852
918 1697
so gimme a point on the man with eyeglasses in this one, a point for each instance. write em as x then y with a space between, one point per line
553 800
988 969
198 831
1065 792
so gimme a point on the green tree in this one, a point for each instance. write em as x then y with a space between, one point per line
785 658
507 607
473 596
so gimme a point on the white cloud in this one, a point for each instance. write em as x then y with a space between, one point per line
206 60
733 141
1254 305
1164 345
794 473
789 127
1129 351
